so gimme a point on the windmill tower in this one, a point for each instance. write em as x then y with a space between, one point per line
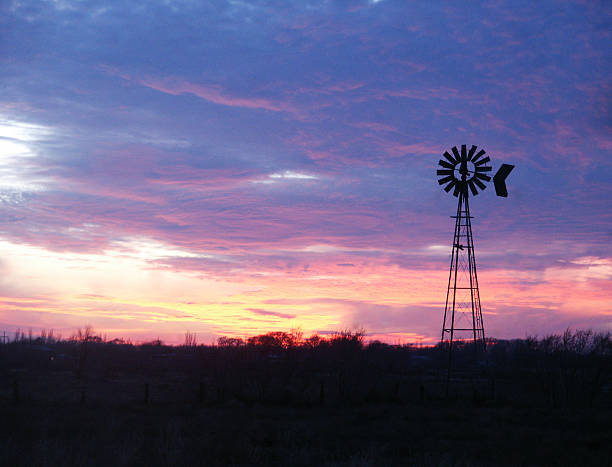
465 173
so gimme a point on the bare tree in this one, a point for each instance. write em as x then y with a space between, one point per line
190 340
83 337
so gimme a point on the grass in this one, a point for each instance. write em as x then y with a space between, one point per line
383 434
532 402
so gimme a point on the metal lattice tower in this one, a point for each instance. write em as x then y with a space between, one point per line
465 173
462 312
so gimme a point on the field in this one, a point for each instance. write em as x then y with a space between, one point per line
282 400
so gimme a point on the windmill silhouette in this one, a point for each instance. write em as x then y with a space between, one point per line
465 173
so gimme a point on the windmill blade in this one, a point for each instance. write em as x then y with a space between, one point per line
472 187
481 153
450 158
444 180
483 161
499 180
456 160
481 185
450 186
471 153
456 153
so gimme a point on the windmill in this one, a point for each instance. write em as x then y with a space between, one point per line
465 173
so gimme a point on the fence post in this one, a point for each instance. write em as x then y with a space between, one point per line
396 389
16 390
322 392
202 393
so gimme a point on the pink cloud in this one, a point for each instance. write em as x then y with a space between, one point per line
424 93
604 143
209 92
374 126
212 93
398 149
278 314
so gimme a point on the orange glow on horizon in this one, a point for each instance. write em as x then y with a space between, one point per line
126 295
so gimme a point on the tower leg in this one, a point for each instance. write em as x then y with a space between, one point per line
479 334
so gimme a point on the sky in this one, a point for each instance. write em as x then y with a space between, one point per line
238 167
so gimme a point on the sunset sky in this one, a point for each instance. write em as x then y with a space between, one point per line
237 167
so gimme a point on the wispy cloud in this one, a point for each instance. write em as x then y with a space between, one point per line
278 314
209 92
